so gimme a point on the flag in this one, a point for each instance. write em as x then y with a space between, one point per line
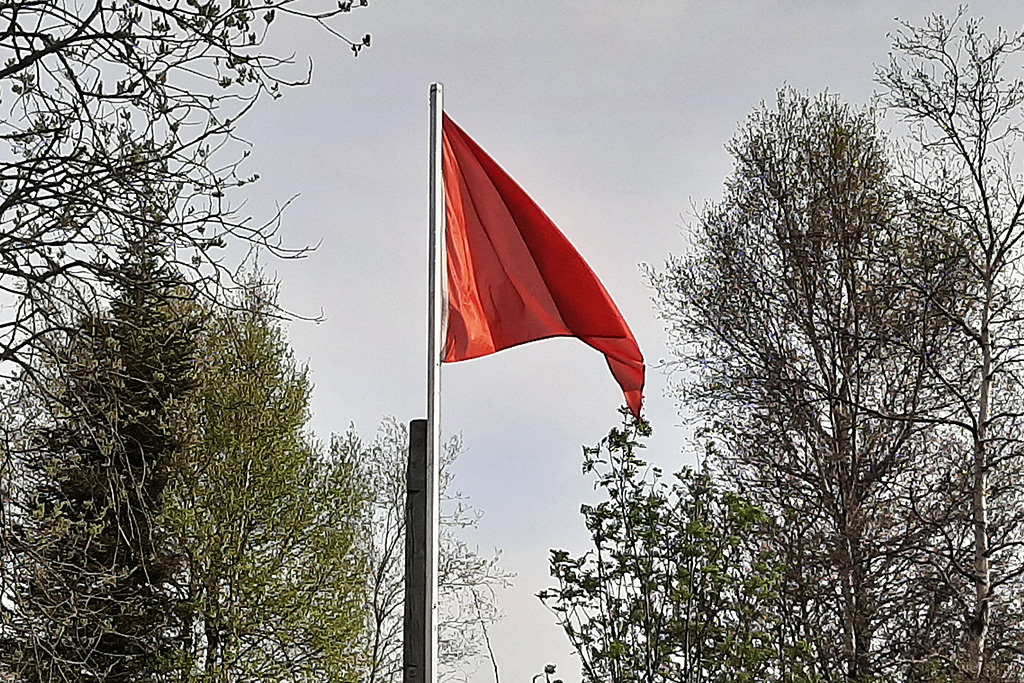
513 277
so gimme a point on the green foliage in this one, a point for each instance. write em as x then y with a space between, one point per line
274 578
677 586
812 363
91 577
179 521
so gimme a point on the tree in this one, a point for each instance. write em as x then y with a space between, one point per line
179 521
88 569
806 359
120 114
679 585
270 527
467 579
948 81
117 120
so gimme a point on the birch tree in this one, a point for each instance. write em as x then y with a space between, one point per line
950 82
799 346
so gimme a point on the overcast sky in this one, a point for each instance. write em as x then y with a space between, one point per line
614 116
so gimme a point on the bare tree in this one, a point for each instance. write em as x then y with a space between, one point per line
948 80
467 579
116 116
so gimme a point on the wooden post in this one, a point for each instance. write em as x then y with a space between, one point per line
418 598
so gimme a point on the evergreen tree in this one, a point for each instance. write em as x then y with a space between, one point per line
178 521
88 588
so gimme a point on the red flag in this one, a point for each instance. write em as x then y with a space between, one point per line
513 277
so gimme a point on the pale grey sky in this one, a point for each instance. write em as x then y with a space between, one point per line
614 116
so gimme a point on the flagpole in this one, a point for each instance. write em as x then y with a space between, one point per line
435 345
422 502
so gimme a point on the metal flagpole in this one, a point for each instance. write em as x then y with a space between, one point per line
435 346
422 512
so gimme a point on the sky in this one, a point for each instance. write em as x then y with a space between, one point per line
615 117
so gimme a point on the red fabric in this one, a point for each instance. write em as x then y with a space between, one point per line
513 277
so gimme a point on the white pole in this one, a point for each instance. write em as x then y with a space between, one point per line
435 346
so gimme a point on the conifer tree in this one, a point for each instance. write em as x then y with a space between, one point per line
88 586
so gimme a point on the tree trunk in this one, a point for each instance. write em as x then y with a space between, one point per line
979 623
